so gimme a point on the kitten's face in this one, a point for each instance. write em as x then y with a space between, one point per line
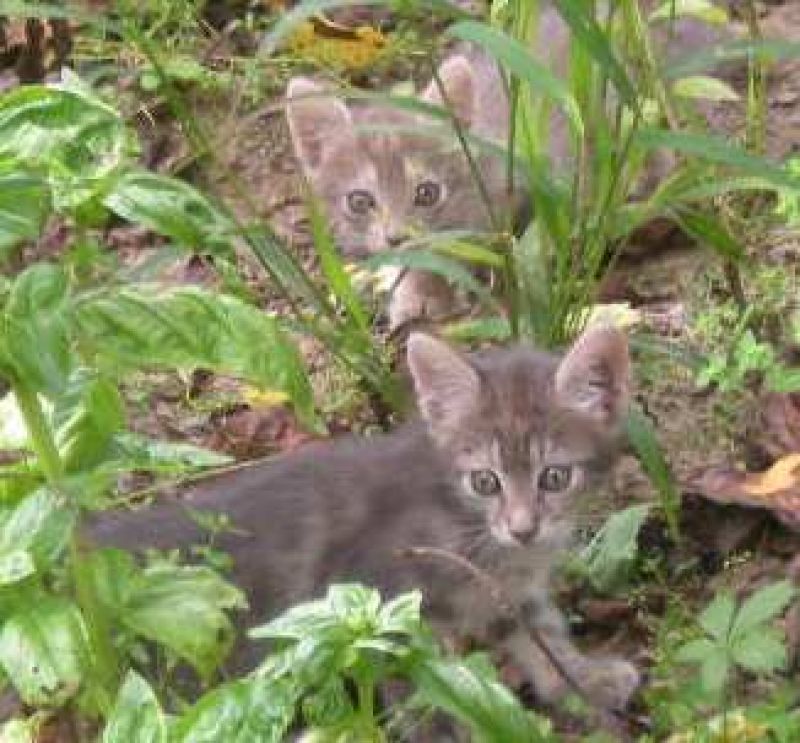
381 177
525 433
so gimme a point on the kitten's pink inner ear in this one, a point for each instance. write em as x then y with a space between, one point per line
458 80
594 376
315 118
446 385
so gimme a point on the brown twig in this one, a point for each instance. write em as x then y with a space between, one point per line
609 718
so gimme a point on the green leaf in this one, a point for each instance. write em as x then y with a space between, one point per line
24 207
703 10
137 715
172 208
254 709
764 605
717 617
130 451
644 442
159 603
85 418
35 328
609 557
516 58
695 651
714 671
188 327
761 650
705 88
468 690
708 229
588 33
33 533
44 649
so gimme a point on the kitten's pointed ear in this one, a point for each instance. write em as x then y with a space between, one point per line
446 385
458 80
315 117
594 376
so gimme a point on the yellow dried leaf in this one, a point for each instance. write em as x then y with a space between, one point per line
782 476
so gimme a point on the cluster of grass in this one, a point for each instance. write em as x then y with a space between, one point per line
73 622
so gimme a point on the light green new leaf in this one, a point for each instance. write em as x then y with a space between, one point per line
762 650
705 88
703 10
764 605
608 558
172 208
188 327
717 617
130 451
137 715
695 651
43 649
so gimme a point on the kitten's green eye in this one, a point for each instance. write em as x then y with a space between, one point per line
555 479
427 194
360 201
484 482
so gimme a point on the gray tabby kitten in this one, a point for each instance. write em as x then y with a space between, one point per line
509 442
379 188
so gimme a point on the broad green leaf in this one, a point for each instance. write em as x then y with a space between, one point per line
188 327
516 57
609 557
34 532
85 418
717 617
137 715
762 650
705 88
173 208
253 709
35 328
159 603
401 614
468 690
764 605
44 649
24 207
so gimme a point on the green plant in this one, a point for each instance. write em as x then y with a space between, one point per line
348 641
740 637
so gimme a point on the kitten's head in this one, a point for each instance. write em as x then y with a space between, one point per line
383 174
526 432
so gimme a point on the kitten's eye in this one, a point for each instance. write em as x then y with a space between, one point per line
555 479
360 201
484 482
427 194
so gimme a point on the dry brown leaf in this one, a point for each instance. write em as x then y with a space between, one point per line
776 490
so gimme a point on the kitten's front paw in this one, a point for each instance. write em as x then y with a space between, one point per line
610 682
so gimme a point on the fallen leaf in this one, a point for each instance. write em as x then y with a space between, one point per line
776 490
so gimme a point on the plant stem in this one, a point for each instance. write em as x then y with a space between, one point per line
41 437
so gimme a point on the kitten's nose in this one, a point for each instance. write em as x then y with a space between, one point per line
524 535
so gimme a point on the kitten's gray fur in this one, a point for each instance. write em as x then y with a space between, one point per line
339 155
345 511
